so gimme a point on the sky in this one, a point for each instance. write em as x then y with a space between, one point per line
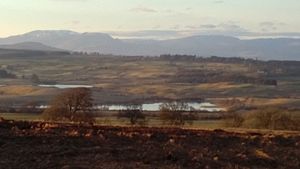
154 18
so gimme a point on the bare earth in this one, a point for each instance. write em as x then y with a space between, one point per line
30 145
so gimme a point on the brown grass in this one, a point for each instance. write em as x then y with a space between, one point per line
22 90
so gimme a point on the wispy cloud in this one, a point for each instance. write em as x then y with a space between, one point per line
147 34
143 9
270 26
75 22
225 29
70 0
208 26
218 1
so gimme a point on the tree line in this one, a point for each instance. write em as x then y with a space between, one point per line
76 105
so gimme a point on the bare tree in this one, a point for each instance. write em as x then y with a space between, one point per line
264 118
272 118
35 79
134 113
176 113
72 105
2 119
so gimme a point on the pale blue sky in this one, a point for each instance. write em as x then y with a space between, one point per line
160 17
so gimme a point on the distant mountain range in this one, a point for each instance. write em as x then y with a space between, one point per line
225 46
36 46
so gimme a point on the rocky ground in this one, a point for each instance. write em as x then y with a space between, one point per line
30 145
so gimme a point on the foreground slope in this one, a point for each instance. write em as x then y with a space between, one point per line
49 145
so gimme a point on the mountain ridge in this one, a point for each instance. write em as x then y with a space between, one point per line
200 45
36 46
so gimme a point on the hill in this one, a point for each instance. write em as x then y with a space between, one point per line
20 53
34 46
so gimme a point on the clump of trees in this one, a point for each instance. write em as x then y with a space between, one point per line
178 57
265 118
176 113
272 118
35 79
233 119
75 105
2 119
6 74
213 76
134 113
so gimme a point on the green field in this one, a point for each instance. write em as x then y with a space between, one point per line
114 121
21 116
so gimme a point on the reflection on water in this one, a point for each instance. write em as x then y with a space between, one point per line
155 107
59 86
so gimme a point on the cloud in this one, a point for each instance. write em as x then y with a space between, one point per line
270 26
218 1
143 9
229 28
204 26
69 0
175 27
75 22
147 34
208 26
171 34
156 27
267 24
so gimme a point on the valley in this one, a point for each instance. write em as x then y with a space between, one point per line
197 84
124 80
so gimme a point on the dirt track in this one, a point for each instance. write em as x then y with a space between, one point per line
26 145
